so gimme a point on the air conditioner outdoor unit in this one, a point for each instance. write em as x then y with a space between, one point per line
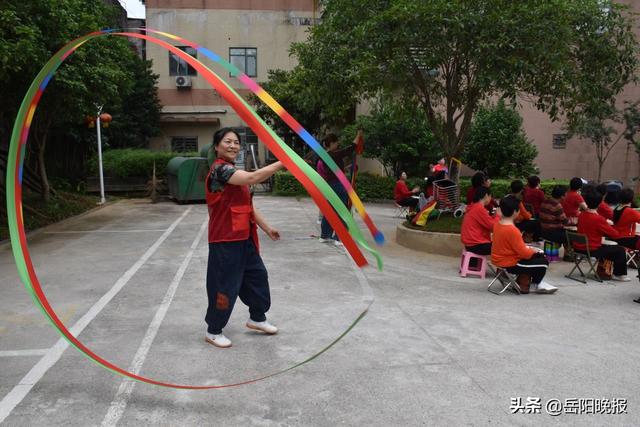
183 81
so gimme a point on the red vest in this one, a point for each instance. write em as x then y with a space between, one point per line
230 212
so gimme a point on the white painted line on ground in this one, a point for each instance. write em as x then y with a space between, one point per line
19 353
103 231
15 396
119 403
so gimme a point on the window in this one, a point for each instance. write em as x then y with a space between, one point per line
560 141
246 59
178 66
184 144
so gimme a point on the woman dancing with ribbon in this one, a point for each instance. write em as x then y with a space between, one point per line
235 267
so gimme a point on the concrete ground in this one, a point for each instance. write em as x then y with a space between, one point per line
434 349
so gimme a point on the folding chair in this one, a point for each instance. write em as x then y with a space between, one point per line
401 211
633 258
579 256
506 280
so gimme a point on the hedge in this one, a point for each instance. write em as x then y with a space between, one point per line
368 186
502 187
374 187
129 162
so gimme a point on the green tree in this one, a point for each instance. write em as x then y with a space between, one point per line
102 72
498 145
605 127
398 137
290 89
445 57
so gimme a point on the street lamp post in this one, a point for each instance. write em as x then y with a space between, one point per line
102 198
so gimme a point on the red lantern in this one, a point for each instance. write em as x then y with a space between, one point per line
105 119
90 121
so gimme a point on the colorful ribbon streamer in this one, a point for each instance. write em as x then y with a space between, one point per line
289 120
316 187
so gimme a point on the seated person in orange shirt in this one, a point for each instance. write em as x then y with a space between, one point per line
477 224
625 219
524 221
595 227
603 208
573 202
533 195
509 251
402 194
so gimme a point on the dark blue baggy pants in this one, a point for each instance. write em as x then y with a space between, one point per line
235 269
326 231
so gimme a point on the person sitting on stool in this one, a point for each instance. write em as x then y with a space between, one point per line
595 227
402 194
509 251
477 224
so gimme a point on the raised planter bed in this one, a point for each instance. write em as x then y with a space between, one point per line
427 241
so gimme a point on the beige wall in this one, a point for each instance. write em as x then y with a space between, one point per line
271 31
579 158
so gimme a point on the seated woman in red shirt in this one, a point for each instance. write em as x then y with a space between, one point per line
603 208
477 224
573 202
625 219
478 180
402 194
509 251
533 195
595 227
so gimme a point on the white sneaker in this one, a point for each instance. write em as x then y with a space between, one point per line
219 340
545 288
321 240
265 327
623 278
338 243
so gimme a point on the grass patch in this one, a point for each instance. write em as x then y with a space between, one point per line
38 214
445 224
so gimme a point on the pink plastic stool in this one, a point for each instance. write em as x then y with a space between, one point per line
480 270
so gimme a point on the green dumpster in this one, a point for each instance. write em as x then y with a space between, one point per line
185 177
209 153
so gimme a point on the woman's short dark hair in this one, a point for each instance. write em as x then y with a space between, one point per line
558 191
508 205
328 139
478 179
220 133
592 198
602 188
625 195
480 193
516 186
533 181
575 184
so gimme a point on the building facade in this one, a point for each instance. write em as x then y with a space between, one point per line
254 35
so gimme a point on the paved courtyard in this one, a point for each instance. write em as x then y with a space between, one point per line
434 349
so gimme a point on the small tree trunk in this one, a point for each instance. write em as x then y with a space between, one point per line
44 182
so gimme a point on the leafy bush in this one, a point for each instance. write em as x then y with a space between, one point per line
286 184
498 145
398 136
129 162
368 186
375 187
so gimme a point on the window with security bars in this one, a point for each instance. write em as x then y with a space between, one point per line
560 141
246 59
178 66
184 144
